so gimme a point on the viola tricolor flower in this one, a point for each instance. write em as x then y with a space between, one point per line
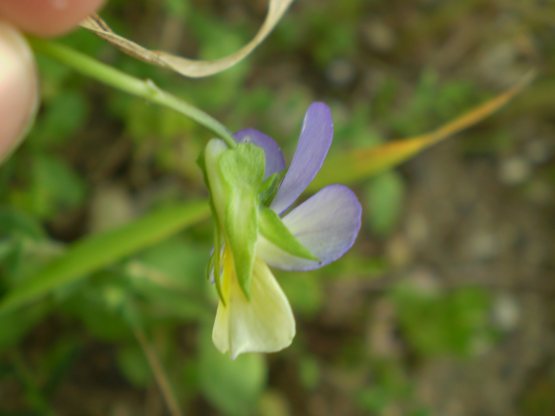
251 200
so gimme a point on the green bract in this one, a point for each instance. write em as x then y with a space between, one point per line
275 231
240 196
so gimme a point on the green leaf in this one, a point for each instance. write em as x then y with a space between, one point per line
55 187
15 223
305 292
232 386
242 171
180 260
166 278
15 325
384 200
132 362
63 115
275 231
98 251
437 323
98 306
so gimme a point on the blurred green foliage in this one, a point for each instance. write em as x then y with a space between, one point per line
456 322
85 136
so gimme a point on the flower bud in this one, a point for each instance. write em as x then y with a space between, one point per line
18 89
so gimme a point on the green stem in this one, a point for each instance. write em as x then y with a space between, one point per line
158 371
141 88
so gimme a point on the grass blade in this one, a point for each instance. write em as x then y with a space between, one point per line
97 251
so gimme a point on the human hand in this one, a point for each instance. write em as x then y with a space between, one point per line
18 78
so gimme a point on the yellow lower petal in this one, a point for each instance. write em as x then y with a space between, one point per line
263 324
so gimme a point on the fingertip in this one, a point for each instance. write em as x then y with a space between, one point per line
47 17
18 88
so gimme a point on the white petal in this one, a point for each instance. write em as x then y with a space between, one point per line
327 224
263 324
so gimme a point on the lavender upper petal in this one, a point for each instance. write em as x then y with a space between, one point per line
312 148
327 224
275 162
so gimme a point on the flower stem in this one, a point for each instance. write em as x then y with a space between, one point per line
141 88
159 375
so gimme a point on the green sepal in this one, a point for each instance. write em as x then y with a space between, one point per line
242 169
243 166
270 187
215 265
242 232
275 231
201 163
210 265
212 154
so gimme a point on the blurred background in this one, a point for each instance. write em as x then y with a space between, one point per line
445 305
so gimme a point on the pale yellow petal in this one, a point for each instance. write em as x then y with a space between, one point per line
263 324
220 332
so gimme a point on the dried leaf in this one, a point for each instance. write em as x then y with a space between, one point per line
354 165
189 67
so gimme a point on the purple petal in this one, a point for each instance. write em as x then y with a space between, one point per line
313 146
327 224
275 162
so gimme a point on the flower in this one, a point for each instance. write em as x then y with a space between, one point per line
251 198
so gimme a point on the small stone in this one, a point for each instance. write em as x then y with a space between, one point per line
514 171
340 72
111 206
483 245
379 36
506 314
423 281
539 151
381 337
398 251
417 229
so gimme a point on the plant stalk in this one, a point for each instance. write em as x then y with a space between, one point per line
117 79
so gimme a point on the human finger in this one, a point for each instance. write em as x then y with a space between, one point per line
47 17
18 88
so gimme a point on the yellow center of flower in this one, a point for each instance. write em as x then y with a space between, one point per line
229 280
